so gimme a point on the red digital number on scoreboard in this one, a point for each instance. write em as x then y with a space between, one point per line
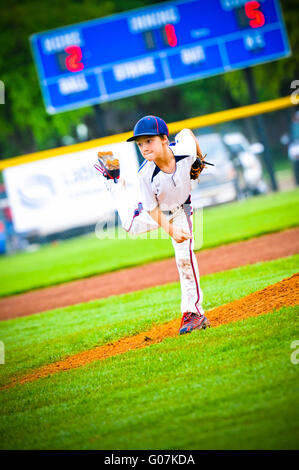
254 14
73 60
170 35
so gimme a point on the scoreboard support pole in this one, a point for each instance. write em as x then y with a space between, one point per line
261 128
99 117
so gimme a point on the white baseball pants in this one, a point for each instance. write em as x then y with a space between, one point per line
136 223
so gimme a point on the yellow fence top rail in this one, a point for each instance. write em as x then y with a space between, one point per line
174 127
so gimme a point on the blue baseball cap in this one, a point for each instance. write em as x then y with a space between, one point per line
149 125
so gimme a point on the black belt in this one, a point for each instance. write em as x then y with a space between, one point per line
188 201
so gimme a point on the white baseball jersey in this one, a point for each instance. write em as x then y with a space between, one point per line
168 190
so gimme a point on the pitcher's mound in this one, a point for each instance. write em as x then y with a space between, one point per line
273 297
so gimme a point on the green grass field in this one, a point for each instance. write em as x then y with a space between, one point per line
58 333
87 256
231 387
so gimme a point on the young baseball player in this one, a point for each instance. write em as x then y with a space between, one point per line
164 201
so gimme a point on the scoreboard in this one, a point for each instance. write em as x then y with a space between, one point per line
154 47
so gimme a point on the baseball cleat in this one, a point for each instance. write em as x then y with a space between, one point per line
192 321
108 166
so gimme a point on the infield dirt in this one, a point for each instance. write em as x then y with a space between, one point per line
264 248
271 298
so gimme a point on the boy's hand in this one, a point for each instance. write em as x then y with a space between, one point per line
180 235
198 166
177 233
108 166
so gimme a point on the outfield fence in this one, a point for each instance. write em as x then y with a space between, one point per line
174 127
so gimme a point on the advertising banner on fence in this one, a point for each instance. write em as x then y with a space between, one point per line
64 192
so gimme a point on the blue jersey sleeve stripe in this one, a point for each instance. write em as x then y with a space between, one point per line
144 163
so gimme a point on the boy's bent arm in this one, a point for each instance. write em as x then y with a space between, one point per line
198 150
177 233
161 219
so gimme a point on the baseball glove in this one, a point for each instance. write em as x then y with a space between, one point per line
198 166
108 166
